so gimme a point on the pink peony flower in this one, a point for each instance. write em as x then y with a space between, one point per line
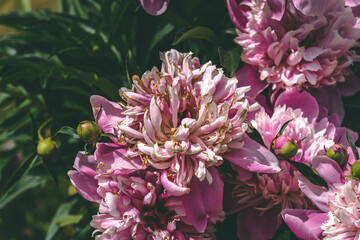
135 205
344 217
180 120
260 198
310 224
297 43
155 7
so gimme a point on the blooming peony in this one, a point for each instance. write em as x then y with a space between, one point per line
259 198
332 217
344 211
179 120
135 205
297 43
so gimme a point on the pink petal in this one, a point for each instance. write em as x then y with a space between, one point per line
112 158
257 225
204 200
294 99
248 76
318 195
330 97
171 187
253 157
278 8
155 7
312 52
83 179
306 224
310 7
110 115
328 169
237 14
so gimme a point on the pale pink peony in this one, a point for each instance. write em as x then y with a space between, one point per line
344 214
308 224
180 119
259 198
135 205
297 43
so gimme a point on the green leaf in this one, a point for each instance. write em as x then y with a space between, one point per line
19 172
88 78
68 131
352 145
68 220
51 168
255 135
83 228
199 32
282 129
109 135
25 183
309 173
63 211
230 59
132 67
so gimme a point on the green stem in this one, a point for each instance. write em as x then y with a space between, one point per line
41 127
26 5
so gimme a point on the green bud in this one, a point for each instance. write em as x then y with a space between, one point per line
46 147
284 147
89 131
338 153
355 169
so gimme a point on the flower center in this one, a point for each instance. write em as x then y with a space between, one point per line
156 217
267 190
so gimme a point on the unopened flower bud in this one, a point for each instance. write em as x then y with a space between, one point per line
338 153
284 147
89 131
355 169
46 147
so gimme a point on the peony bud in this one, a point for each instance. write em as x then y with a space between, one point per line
284 147
89 131
355 169
338 153
46 147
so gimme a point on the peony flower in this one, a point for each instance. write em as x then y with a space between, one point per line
344 211
181 120
259 198
135 205
310 224
297 43
155 7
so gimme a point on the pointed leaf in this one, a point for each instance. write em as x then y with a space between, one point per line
25 183
68 131
199 32
255 135
352 145
282 129
308 173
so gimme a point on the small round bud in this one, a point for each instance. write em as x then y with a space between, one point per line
46 147
355 169
284 147
338 153
89 131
